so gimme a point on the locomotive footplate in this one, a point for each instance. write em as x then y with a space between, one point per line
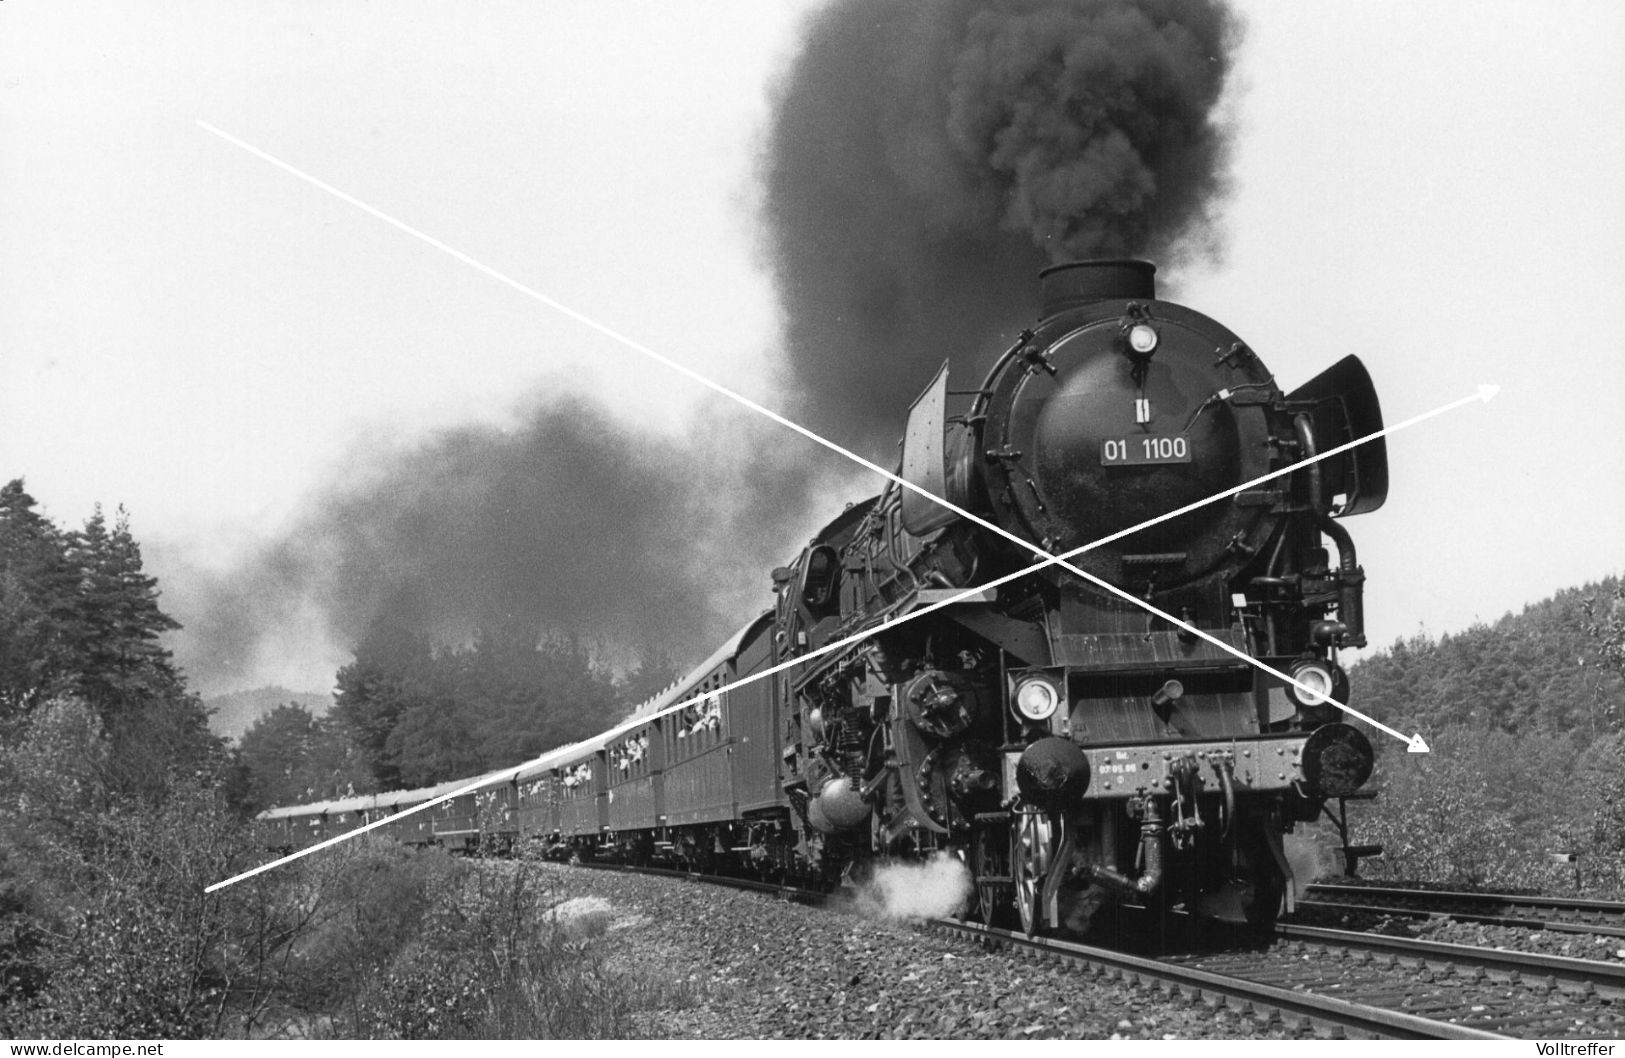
1255 766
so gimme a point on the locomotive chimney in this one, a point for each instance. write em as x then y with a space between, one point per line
1066 286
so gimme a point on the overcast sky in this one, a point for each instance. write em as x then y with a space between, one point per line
189 332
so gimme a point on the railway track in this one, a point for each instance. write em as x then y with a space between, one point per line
1583 976
1331 982
776 890
1565 914
1512 993
1367 986
1253 981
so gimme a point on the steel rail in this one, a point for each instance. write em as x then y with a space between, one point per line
1352 1018
1502 909
1515 899
1557 925
774 889
1563 967
1357 1018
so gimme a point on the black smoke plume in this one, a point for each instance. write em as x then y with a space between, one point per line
573 524
925 159
928 157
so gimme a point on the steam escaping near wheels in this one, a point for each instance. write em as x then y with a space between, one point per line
933 888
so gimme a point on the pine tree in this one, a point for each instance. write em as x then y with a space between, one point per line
392 672
37 587
431 744
293 756
79 617
117 622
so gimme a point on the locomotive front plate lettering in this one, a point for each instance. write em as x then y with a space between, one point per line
1143 449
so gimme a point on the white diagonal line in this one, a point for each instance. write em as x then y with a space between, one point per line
739 398
635 346
563 752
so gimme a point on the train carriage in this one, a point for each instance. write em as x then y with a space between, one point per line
698 740
633 779
454 823
417 828
283 828
387 806
497 812
459 822
345 814
753 724
583 792
537 797
313 827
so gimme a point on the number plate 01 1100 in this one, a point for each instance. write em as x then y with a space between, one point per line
1141 449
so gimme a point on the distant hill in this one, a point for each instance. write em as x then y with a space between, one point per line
232 714
1534 671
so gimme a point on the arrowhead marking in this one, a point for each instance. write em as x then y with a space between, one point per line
1486 393
1418 745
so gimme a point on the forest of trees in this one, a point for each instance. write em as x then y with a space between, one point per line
410 712
118 806
113 792
1526 722
1549 669
80 622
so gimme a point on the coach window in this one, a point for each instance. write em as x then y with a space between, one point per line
577 781
630 757
711 714
681 747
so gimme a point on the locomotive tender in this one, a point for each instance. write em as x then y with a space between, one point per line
1054 736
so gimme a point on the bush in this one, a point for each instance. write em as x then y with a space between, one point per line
488 957
105 929
1486 809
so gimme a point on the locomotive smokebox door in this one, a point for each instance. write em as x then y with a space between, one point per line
1346 408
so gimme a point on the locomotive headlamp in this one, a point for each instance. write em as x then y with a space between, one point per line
1037 699
1142 338
1312 683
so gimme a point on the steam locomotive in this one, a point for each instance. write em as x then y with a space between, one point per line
1063 735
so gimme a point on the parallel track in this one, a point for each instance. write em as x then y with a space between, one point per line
1565 914
1586 975
1188 977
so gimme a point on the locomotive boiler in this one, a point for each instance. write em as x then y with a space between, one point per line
1055 734
1143 733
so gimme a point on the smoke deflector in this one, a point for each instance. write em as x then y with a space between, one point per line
923 462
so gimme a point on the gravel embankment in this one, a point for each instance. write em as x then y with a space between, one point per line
760 967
